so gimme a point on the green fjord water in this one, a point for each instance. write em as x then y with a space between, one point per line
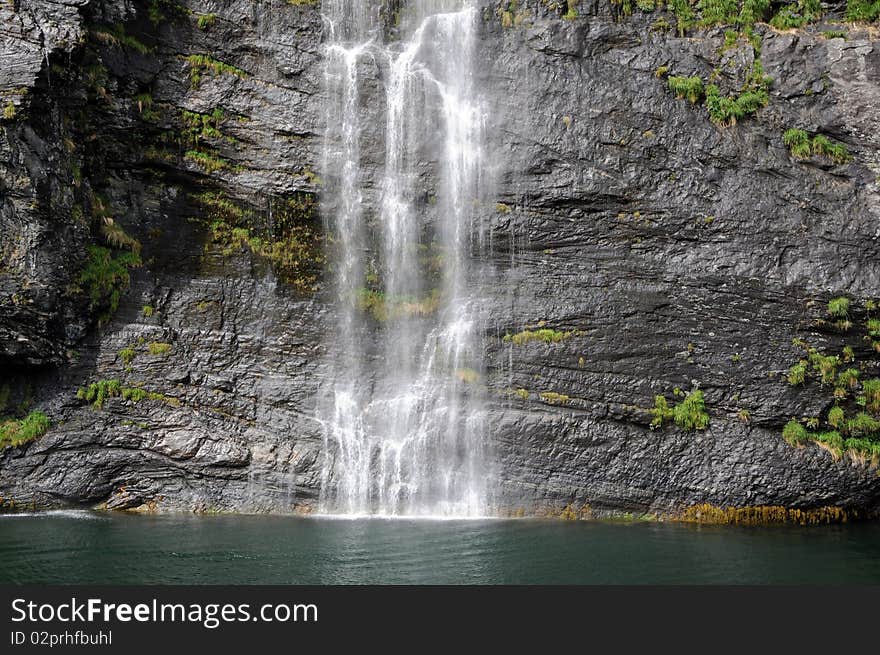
85 547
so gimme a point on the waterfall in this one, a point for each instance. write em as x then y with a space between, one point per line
403 414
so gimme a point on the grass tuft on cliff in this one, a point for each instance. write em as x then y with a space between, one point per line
14 432
690 414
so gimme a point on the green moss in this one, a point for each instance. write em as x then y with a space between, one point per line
9 111
206 21
200 127
544 335
127 355
158 348
864 11
553 398
847 380
116 36
147 311
201 64
97 393
14 432
292 246
384 308
210 162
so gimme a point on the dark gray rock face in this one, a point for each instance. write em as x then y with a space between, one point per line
678 253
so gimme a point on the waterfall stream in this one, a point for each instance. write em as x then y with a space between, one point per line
403 417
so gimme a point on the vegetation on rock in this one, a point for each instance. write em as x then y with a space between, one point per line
290 242
690 414
14 432
852 425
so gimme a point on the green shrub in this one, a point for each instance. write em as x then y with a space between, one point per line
795 433
825 366
553 398
134 394
848 379
98 392
798 142
862 10
723 110
802 147
797 373
684 13
868 447
715 12
836 152
293 247
14 432
836 417
690 413
686 87
753 11
871 391
862 425
797 14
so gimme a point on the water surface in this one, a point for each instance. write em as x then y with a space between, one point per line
86 547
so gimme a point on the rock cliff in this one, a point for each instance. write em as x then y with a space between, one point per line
157 158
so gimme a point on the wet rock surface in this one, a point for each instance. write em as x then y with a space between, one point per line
677 253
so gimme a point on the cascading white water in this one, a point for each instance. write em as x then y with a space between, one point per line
404 420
